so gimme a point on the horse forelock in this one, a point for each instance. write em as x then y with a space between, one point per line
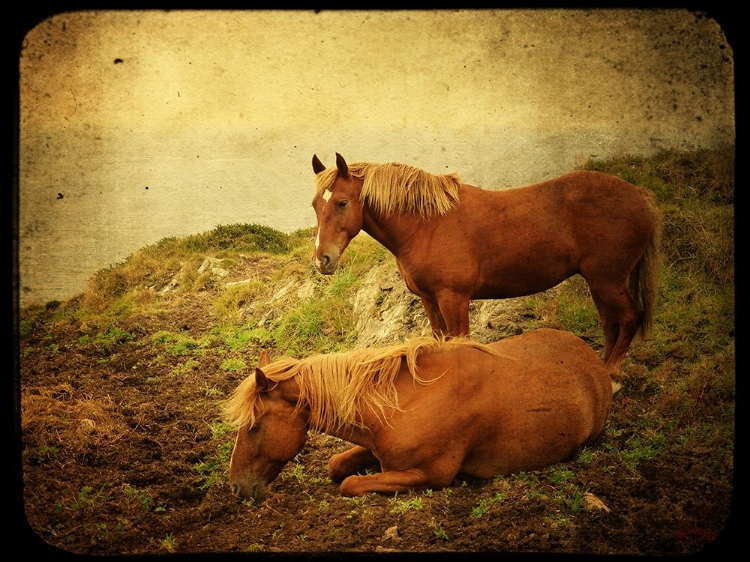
398 188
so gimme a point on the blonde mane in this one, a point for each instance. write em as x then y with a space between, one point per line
337 387
398 188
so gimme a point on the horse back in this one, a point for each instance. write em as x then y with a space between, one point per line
547 366
559 359
574 201
519 241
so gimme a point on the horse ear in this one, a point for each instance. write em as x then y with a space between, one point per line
341 165
317 164
264 359
261 382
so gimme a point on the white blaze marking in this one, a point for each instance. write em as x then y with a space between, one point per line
326 197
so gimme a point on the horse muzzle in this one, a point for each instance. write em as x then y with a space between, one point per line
325 264
250 490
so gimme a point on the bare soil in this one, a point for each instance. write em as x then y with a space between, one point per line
112 440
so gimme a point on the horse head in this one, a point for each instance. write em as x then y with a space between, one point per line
263 448
339 213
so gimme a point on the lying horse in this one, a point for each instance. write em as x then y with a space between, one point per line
454 242
421 413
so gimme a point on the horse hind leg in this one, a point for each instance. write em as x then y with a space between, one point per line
611 334
620 318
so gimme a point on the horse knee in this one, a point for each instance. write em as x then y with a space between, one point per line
353 461
337 470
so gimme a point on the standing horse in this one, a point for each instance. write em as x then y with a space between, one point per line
421 413
454 242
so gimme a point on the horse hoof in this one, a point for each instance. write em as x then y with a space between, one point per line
615 387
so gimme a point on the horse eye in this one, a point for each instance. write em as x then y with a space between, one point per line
342 204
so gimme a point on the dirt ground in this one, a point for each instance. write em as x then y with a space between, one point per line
111 456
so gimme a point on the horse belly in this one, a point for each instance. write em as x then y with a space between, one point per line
528 252
529 440
521 282
496 270
534 271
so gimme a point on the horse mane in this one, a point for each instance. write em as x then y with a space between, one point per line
338 386
399 188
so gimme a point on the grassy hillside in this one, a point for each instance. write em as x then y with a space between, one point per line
190 315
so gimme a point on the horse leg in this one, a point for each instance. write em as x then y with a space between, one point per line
354 460
437 323
629 323
611 333
620 318
609 325
455 310
392 481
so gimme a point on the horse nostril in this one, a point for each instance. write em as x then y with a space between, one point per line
325 260
235 489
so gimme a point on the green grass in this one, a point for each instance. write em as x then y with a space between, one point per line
141 498
89 498
400 506
438 531
213 470
186 367
232 364
359 506
180 343
46 453
485 504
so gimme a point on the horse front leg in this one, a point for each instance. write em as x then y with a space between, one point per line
454 309
391 482
352 461
437 323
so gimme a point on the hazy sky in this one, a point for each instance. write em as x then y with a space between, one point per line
140 125
165 72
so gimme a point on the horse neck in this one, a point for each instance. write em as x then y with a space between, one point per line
393 231
318 407
349 432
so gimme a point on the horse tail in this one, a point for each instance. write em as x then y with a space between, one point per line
643 282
